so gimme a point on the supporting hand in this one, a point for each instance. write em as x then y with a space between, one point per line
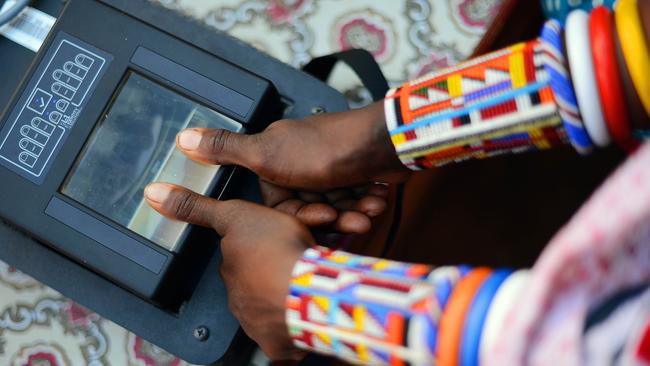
260 246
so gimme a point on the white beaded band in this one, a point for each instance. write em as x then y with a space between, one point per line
504 299
583 74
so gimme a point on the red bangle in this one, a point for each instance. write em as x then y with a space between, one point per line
608 77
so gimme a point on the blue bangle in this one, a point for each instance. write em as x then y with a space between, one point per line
565 96
560 9
478 310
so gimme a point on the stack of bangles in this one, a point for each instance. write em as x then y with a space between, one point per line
601 63
592 99
581 84
380 312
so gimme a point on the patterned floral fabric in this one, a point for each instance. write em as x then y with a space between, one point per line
408 38
38 327
603 249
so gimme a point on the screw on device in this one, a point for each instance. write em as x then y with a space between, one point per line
317 110
201 333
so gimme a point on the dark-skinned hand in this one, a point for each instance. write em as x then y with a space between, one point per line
260 247
323 169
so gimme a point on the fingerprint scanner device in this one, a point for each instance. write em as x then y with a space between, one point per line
94 121
97 121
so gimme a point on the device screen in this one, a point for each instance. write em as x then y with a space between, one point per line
134 145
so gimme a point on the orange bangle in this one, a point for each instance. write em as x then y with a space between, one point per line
453 317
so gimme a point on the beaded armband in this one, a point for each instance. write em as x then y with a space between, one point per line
368 310
495 104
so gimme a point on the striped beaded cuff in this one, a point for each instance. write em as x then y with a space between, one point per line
368 310
496 104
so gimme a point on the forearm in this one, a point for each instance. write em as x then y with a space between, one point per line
374 311
524 98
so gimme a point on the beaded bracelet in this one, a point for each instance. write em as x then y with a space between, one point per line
476 316
639 119
563 89
454 314
635 48
368 310
476 109
609 78
583 75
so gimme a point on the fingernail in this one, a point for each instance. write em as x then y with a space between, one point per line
189 140
157 192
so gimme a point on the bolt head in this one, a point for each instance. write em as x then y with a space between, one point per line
201 333
317 110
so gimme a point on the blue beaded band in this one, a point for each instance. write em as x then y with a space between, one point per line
565 96
444 279
475 319
560 9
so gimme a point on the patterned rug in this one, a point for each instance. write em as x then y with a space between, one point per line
39 327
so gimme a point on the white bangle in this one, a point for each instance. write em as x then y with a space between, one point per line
503 300
578 45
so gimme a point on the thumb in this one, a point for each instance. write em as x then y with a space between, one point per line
181 204
218 146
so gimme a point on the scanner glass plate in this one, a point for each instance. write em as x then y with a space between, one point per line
134 145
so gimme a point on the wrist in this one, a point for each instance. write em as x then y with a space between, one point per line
379 152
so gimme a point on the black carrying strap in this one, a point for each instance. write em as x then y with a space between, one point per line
362 63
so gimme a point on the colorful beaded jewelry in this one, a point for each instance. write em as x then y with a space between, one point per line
499 103
475 320
583 75
563 89
454 315
635 48
639 119
609 78
368 310
503 301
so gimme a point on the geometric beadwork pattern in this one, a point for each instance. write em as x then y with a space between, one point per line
499 103
368 310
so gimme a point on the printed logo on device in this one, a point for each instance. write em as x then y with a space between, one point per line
50 106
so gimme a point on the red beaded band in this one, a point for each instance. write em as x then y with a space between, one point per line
601 27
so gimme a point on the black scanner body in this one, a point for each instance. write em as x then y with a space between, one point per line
98 52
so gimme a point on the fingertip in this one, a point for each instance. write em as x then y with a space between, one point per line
314 214
189 139
372 206
352 222
158 193
317 214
